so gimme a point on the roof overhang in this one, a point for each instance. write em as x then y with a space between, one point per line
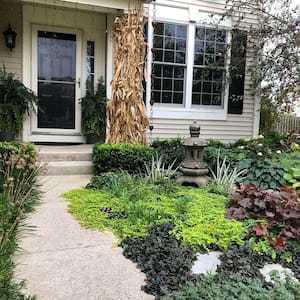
105 6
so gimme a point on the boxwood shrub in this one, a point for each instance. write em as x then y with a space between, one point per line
121 157
170 149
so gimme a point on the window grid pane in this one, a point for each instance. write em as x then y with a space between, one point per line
168 85
90 62
209 66
207 87
169 42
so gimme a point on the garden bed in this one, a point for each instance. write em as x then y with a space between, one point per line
162 226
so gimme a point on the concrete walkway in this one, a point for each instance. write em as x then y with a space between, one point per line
63 261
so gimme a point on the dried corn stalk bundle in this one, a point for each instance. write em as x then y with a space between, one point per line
126 112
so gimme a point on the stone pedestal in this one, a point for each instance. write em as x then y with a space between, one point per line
193 168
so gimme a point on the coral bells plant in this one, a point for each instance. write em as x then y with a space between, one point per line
280 209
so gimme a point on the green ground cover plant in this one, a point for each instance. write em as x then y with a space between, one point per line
198 215
236 287
165 260
19 195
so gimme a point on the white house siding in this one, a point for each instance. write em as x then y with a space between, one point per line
235 126
11 13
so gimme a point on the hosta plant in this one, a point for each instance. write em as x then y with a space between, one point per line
293 177
263 172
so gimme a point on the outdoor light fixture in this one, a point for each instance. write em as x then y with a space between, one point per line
10 38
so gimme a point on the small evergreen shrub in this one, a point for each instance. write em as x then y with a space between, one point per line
121 157
27 149
170 150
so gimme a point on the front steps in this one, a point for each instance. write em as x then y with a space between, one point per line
66 160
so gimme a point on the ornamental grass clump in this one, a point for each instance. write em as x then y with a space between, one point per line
19 195
157 171
225 177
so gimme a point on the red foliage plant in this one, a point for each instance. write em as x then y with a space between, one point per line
279 208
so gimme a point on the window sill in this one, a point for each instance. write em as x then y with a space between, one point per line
163 112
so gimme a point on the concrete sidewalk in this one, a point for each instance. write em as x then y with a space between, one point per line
63 261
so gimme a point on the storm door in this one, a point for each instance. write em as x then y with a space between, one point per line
56 79
57 74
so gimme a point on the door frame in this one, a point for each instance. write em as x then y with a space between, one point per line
56 134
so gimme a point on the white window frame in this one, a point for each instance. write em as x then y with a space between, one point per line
193 17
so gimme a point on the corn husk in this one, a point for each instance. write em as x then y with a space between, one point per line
126 112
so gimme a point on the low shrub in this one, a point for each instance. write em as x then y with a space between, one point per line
19 195
285 142
121 157
118 183
18 148
171 150
162 257
280 209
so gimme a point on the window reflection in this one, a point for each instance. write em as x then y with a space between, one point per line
56 56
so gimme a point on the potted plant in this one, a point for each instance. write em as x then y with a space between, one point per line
93 110
16 101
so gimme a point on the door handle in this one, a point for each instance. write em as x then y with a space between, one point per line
78 82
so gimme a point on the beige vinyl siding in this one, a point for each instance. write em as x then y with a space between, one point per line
11 13
235 126
209 6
